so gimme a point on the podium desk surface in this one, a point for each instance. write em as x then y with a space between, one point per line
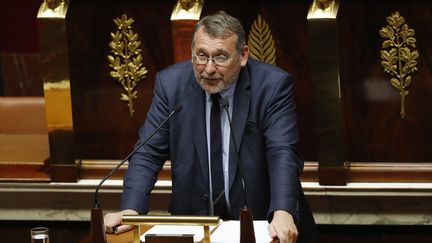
126 237
227 231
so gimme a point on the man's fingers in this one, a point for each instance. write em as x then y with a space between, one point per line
272 231
109 230
288 235
284 227
122 228
284 234
292 236
278 233
115 229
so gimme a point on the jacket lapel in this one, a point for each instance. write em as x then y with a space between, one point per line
239 118
197 100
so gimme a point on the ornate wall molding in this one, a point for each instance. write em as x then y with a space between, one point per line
398 55
261 43
187 10
126 60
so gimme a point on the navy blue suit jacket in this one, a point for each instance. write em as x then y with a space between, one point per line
264 126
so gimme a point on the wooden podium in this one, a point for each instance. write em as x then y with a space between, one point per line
143 223
188 230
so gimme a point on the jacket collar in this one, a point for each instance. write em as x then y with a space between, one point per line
239 118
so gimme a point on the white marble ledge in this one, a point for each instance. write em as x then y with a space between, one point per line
369 189
356 203
164 186
82 186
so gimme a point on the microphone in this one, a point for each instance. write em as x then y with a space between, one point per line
97 224
225 105
247 232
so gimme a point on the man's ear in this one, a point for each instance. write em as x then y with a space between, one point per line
244 55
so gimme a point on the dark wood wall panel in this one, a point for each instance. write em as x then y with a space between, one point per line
20 74
375 132
103 128
375 129
20 63
287 21
18 25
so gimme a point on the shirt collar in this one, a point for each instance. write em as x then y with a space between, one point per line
226 93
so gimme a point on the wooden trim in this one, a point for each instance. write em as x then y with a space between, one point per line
332 176
356 171
97 169
418 172
389 171
310 172
63 172
23 172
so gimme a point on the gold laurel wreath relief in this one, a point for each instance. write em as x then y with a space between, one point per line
398 55
126 60
261 43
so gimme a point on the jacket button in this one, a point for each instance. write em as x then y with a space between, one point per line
205 197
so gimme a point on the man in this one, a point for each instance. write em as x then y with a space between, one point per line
260 98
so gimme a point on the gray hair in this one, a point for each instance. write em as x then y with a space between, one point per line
222 24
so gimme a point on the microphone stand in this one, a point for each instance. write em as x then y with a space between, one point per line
97 228
247 232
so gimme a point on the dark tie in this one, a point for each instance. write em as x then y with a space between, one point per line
220 207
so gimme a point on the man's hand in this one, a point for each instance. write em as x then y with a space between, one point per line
283 227
113 221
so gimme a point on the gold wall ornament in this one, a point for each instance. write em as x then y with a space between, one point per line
53 9
187 9
398 54
323 9
53 4
126 61
261 43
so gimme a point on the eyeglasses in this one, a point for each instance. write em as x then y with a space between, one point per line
217 60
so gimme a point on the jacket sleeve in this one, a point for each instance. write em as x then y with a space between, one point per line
281 136
146 163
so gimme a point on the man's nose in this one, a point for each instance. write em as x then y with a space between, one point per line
210 67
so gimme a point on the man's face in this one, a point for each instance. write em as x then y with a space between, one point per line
215 76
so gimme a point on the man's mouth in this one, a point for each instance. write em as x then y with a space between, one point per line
212 79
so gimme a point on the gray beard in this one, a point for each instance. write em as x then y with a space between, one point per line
215 89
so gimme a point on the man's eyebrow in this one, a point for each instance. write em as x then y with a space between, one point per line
218 51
